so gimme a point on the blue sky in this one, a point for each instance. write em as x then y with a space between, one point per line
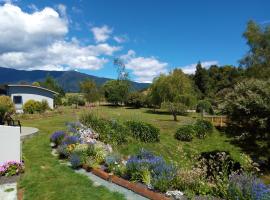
152 36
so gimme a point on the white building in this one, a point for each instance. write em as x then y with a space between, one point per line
20 94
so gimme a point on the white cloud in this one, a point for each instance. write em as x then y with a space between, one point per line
190 69
37 41
22 31
120 39
101 34
144 68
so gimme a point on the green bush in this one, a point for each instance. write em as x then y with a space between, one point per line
202 128
75 100
110 131
185 133
32 106
204 105
143 131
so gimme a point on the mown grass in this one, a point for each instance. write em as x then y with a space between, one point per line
44 177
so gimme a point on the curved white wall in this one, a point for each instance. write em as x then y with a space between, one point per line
28 93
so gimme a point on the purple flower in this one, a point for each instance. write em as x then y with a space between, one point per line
57 137
71 140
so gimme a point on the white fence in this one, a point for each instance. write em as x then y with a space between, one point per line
10 144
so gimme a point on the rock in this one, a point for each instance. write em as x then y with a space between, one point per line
175 194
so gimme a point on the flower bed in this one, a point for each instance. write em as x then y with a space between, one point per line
150 175
11 168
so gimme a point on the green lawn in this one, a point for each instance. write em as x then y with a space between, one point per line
44 177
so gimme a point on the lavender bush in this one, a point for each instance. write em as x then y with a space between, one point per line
247 187
161 173
57 137
75 160
68 140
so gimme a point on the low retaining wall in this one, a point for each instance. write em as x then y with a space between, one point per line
126 184
10 144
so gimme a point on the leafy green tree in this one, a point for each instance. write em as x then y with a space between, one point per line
115 91
51 84
173 92
136 99
90 90
201 79
257 60
204 106
248 110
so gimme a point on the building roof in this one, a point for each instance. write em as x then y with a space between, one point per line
31 86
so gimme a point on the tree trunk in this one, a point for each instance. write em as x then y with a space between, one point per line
174 116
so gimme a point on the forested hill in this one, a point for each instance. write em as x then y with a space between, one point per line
69 80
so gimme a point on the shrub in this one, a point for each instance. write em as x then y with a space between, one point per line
82 151
6 107
75 100
32 106
135 99
110 131
204 105
218 165
185 133
75 160
6 102
3 111
44 105
244 186
143 131
202 127
57 137
161 173
11 168
63 151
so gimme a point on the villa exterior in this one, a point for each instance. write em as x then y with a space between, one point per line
20 94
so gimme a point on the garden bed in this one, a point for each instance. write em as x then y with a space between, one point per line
135 187
216 174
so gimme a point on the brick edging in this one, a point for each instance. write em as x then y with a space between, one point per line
127 184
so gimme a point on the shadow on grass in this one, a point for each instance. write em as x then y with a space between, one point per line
257 150
157 112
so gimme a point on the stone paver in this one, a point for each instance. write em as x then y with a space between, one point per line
8 191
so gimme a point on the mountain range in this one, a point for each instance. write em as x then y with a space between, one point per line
68 80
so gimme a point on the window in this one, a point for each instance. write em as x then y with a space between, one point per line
17 99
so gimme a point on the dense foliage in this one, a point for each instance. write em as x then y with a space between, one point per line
174 91
74 99
248 110
6 107
143 131
110 131
136 99
185 133
11 168
32 106
247 187
202 128
150 169
204 106
89 90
